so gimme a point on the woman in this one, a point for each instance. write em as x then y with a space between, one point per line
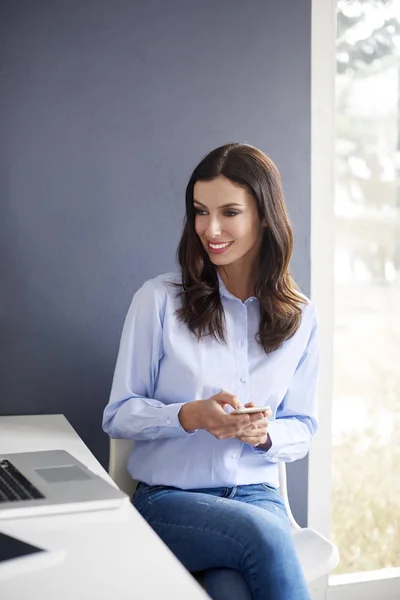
230 330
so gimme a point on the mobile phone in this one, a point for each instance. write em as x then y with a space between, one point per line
251 409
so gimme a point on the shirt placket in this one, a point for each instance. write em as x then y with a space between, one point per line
242 363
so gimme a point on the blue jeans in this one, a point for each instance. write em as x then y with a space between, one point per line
239 537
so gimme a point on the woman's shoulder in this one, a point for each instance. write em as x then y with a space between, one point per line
160 287
309 315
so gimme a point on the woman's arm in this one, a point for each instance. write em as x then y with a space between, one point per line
289 435
131 411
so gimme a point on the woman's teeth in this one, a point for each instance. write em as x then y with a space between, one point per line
219 246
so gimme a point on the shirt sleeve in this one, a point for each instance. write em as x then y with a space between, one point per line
132 412
296 417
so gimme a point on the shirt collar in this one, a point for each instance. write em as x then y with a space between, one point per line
222 288
226 294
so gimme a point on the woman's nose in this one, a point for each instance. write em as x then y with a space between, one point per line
213 228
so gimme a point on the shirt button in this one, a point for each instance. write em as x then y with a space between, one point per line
243 380
168 422
234 455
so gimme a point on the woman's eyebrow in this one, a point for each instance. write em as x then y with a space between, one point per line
229 205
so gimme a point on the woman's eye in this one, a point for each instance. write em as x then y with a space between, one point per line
231 213
199 212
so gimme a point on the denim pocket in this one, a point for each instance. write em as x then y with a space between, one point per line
144 488
275 497
270 488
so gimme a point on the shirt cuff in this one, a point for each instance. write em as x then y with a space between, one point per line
276 441
273 450
171 419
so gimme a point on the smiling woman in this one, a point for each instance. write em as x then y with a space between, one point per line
229 331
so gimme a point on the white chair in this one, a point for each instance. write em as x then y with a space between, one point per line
318 556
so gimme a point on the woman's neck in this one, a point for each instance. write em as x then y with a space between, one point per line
239 280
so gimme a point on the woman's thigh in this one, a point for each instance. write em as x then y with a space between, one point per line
207 531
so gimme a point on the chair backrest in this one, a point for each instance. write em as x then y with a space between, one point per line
119 454
284 493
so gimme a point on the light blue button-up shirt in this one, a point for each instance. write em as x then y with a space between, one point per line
161 365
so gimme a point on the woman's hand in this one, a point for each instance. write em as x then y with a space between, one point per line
256 433
210 415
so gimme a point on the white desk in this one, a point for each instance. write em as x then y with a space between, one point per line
110 554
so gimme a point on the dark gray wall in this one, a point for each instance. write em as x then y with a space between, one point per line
105 108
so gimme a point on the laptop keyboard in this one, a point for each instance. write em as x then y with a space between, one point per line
14 486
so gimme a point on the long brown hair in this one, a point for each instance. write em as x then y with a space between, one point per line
279 298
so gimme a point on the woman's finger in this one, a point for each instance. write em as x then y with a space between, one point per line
224 398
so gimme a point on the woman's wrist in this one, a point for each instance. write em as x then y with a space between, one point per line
188 416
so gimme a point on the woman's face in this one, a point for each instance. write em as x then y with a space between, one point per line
226 221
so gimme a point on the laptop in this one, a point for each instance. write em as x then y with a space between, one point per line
52 482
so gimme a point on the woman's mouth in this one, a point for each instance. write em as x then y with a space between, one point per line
219 248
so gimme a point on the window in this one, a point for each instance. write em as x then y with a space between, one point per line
355 252
366 402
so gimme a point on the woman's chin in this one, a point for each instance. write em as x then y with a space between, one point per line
220 260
